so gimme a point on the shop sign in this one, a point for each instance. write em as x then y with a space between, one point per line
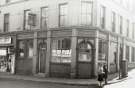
3 52
5 40
61 53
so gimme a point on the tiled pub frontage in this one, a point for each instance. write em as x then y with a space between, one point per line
75 52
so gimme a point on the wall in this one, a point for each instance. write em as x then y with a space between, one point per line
120 10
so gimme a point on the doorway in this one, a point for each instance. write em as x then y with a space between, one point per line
84 60
41 56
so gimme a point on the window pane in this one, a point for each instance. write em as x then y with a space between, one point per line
44 18
21 48
89 8
26 15
88 19
63 14
84 18
86 13
30 48
61 50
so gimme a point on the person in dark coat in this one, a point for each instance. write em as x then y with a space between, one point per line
105 73
100 75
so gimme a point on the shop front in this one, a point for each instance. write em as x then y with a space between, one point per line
7 54
85 57
24 56
61 57
41 59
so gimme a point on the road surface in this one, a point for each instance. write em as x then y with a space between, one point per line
128 82
13 83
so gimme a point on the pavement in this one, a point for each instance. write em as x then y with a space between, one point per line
65 81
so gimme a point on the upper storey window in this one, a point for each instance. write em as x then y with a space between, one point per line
44 18
63 11
102 17
7 1
113 21
26 15
6 22
86 12
127 28
120 23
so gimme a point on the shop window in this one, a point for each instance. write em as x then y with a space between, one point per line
127 53
133 54
102 50
85 52
61 50
113 53
25 48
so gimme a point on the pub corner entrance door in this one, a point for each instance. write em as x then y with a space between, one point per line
84 59
41 56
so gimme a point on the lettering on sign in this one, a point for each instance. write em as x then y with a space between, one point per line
61 53
5 40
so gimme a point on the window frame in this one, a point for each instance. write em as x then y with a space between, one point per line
113 21
6 22
102 16
58 58
46 17
26 49
65 16
86 13
24 19
127 27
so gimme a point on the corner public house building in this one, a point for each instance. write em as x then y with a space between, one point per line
65 38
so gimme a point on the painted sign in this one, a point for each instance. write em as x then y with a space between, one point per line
3 52
61 53
5 40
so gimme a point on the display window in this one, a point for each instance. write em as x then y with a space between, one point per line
85 50
102 51
61 50
25 48
113 53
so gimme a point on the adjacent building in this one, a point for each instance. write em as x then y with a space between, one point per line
66 38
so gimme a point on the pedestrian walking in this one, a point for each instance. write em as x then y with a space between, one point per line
105 73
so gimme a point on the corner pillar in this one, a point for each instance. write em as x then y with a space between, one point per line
95 60
35 53
48 54
73 47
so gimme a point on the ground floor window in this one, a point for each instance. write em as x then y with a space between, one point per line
6 59
133 54
113 53
25 48
61 50
102 51
127 53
